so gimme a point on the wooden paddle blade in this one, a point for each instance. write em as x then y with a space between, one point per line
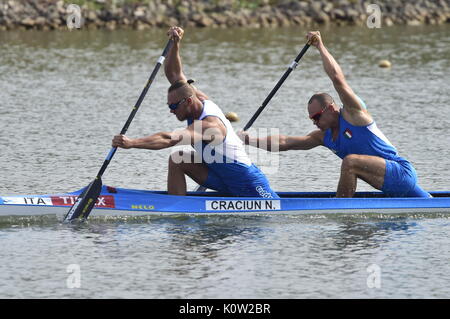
85 202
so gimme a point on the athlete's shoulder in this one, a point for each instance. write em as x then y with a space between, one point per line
356 118
318 136
211 108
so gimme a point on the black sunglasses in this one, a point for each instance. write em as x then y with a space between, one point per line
174 106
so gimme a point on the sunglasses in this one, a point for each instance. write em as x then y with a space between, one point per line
316 116
174 106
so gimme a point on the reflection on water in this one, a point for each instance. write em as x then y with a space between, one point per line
221 256
360 236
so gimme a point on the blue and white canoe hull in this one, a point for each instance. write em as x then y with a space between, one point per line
128 202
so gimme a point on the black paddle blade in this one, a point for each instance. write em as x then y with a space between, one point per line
85 202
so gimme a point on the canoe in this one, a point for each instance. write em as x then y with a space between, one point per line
120 201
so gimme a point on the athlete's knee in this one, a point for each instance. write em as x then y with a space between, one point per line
179 158
350 163
173 159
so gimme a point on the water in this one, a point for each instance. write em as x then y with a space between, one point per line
63 95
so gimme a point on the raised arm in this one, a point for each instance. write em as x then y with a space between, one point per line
173 67
334 72
279 143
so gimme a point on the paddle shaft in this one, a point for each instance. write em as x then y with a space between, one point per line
88 198
136 107
277 86
270 96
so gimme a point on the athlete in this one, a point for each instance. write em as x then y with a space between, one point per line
219 161
351 133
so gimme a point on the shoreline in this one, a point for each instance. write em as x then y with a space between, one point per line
49 15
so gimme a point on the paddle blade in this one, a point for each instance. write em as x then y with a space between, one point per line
85 202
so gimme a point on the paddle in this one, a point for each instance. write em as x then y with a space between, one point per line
277 86
272 93
86 201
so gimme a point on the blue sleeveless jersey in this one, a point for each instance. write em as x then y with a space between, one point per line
230 170
362 140
400 178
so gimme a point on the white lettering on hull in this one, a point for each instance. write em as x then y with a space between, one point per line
27 200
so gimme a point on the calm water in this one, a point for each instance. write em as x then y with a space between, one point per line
63 95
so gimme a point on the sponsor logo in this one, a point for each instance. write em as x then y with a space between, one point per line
143 207
261 191
106 201
238 205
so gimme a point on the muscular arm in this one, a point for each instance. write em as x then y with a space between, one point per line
334 72
210 130
352 105
156 141
281 143
172 66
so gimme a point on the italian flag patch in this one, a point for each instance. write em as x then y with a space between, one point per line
348 134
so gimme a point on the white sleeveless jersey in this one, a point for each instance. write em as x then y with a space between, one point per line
232 148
